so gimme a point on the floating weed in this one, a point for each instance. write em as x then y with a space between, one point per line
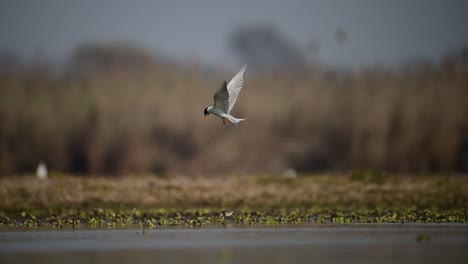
423 238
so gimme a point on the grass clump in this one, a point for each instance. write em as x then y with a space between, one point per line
367 175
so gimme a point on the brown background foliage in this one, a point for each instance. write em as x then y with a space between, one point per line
119 110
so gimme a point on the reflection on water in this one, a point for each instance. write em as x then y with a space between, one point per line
298 244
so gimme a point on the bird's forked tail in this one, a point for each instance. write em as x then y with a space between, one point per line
235 121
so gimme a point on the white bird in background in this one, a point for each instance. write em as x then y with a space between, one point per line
226 97
41 171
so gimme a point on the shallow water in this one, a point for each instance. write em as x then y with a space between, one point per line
353 243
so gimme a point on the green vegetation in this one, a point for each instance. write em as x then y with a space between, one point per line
153 202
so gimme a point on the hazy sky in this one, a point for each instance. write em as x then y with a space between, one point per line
391 32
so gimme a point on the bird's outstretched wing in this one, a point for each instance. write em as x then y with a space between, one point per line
234 87
221 98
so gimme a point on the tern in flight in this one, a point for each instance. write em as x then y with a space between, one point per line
226 97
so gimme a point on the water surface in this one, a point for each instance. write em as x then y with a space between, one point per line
352 243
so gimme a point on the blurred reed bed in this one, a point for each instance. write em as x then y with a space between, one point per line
119 109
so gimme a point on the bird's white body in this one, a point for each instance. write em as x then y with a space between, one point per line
226 97
217 112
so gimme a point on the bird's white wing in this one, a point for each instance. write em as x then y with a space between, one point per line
221 98
234 87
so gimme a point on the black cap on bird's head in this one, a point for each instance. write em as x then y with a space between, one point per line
206 112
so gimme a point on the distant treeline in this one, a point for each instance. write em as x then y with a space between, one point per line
118 109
